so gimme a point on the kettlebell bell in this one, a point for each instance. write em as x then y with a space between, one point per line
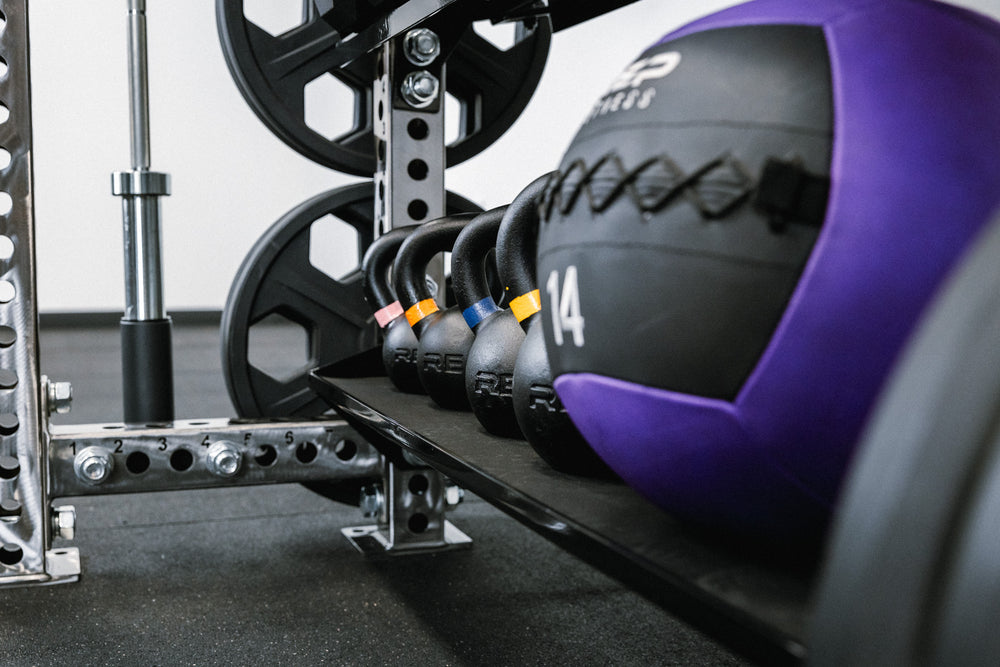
443 336
539 412
489 367
399 345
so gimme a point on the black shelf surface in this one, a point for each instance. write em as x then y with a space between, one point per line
755 602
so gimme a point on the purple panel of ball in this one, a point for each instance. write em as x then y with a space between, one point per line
914 172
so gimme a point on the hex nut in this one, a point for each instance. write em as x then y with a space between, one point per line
420 89
60 395
64 522
93 465
224 459
421 46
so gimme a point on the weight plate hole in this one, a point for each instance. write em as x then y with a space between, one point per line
417 209
181 460
418 485
306 452
325 98
265 455
137 463
334 247
501 35
417 129
346 450
279 347
273 17
417 523
417 169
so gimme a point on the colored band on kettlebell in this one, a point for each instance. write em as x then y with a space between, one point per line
526 305
385 315
479 311
420 310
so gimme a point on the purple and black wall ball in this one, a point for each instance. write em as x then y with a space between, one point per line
744 232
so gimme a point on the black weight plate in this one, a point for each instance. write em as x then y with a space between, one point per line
277 278
905 575
491 85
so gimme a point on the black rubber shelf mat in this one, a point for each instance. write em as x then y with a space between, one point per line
755 601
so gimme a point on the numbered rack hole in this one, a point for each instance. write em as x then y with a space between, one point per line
265 455
306 452
346 450
418 485
181 460
417 523
137 463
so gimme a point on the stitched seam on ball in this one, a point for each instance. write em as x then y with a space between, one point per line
652 185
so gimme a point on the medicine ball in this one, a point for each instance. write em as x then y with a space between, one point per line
743 233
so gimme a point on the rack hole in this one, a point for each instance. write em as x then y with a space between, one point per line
10 554
7 291
181 460
5 158
6 248
417 129
346 450
3 68
6 203
265 455
418 485
417 209
417 169
137 463
4 113
306 452
418 523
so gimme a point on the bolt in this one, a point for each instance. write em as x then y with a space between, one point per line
420 89
421 46
64 522
372 500
60 397
93 465
453 495
224 458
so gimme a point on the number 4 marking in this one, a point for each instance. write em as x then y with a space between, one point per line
565 307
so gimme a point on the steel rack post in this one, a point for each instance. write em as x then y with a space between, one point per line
26 523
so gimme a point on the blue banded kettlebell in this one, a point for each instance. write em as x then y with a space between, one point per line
489 368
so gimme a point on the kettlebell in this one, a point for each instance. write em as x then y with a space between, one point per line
539 412
443 336
399 345
489 367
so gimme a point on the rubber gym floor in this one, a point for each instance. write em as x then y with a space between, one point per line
262 575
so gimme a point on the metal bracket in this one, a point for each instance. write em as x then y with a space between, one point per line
409 506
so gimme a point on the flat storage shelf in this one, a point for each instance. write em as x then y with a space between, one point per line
756 603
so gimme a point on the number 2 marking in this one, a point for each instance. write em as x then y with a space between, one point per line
565 307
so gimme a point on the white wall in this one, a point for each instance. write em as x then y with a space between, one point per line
231 177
